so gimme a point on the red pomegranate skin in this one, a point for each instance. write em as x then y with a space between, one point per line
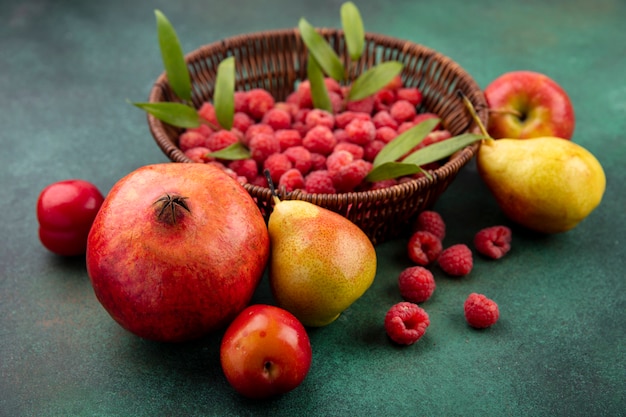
176 272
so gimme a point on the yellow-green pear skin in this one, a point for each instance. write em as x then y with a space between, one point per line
320 261
546 184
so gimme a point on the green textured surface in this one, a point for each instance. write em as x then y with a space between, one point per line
67 68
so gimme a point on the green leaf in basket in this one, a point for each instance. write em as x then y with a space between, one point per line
232 152
390 170
374 79
440 150
404 142
319 94
322 51
175 114
224 97
173 58
353 30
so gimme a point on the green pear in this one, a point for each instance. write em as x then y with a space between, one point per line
546 184
320 262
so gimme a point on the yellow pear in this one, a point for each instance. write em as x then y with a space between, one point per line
546 184
320 262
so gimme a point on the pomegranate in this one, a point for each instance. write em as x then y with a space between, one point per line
176 251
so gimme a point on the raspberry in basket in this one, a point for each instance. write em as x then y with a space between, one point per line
220 140
300 157
263 145
402 111
291 180
318 117
348 177
406 323
431 221
277 118
456 260
277 164
416 284
319 139
480 311
319 182
493 242
259 102
360 132
424 248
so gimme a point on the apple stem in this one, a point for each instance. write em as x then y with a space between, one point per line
270 183
470 107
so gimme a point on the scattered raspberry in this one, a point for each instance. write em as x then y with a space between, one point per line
431 221
320 139
262 145
277 164
412 95
259 102
360 132
342 119
456 260
480 311
416 284
493 242
353 148
199 154
220 140
424 248
300 158
383 119
277 118
291 180
319 182
365 105
188 140
406 323
386 134
207 112
241 121
256 129
245 167
351 175
372 149
317 117
288 138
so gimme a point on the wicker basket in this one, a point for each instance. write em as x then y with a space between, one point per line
275 60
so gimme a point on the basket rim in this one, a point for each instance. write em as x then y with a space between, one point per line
454 163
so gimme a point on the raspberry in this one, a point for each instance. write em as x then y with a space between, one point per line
277 118
300 158
383 119
317 117
262 146
337 160
198 154
360 132
241 121
340 135
402 111
188 140
336 102
412 95
365 105
480 311
288 138
383 99
245 167
424 248
319 182
259 102
256 129
207 112
372 149
260 180
342 119
456 260
291 180
406 323
332 86
431 221
425 116
386 134
353 148
378 185
320 139
300 115
416 284
434 137
241 102
290 108
304 95
220 140
395 83
493 242
277 164
318 161
351 175
203 129
293 98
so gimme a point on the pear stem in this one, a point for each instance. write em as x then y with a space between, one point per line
270 183
470 107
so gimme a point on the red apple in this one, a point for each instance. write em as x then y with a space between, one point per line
265 352
176 251
527 104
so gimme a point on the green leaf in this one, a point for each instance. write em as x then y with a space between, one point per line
390 170
173 58
175 114
404 142
224 96
440 150
321 50
374 79
353 30
232 152
319 94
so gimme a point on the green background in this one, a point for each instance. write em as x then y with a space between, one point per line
66 71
